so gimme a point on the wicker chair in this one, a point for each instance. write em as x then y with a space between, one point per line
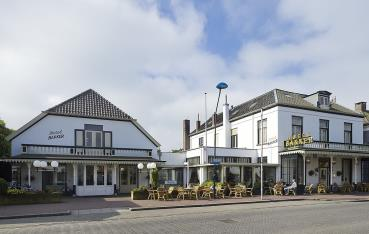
278 189
182 193
321 188
219 191
309 189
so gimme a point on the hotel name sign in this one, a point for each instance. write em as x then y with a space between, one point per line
297 140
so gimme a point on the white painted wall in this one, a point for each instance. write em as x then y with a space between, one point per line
125 134
311 124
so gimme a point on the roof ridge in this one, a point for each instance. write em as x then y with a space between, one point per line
89 104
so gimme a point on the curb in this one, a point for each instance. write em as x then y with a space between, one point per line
206 205
64 213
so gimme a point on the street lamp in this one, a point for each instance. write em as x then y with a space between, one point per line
220 87
140 166
151 166
187 173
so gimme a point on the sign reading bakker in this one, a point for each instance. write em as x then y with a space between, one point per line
297 140
55 135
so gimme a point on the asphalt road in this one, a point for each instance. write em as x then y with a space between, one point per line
283 217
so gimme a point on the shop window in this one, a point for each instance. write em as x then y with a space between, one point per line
89 175
109 176
100 175
80 175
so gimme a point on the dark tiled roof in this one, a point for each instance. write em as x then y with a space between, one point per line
89 104
274 98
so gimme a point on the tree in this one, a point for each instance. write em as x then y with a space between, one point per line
4 144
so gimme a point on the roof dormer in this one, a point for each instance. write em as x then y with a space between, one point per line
320 99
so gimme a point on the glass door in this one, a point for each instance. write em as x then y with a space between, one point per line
128 178
324 171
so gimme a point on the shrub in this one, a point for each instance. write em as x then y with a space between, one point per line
3 186
140 193
155 177
15 192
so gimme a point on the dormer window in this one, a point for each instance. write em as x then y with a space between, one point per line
324 100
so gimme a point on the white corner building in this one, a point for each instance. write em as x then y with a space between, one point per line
324 142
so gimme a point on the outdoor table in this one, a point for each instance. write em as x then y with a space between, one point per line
152 194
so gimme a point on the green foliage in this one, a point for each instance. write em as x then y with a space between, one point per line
155 177
140 193
4 144
209 183
15 192
3 186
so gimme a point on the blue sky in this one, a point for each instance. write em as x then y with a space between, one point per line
155 59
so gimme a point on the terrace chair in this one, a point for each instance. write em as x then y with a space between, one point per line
219 191
248 191
309 189
207 193
195 192
170 191
238 191
232 191
182 193
162 194
321 188
291 191
278 190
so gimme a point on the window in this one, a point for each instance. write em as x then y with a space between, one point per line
93 139
297 128
365 170
234 138
80 174
60 175
211 173
292 168
348 133
262 131
265 159
201 141
324 100
100 175
233 175
89 175
79 135
107 139
324 130
109 176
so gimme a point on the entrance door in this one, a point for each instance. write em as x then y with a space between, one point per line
128 178
347 170
47 179
324 171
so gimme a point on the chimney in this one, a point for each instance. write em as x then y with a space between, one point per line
226 124
198 123
360 106
186 134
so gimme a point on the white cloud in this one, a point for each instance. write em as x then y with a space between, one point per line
155 68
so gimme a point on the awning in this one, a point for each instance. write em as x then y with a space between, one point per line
82 159
325 153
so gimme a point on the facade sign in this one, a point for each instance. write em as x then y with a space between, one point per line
55 135
298 140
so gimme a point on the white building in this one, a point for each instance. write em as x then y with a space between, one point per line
95 146
337 153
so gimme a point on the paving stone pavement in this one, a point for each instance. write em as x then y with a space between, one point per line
283 217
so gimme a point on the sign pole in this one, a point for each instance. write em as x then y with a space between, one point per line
261 152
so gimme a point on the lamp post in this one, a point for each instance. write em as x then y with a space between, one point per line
150 166
140 166
187 173
220 87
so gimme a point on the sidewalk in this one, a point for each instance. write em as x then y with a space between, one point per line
83 205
